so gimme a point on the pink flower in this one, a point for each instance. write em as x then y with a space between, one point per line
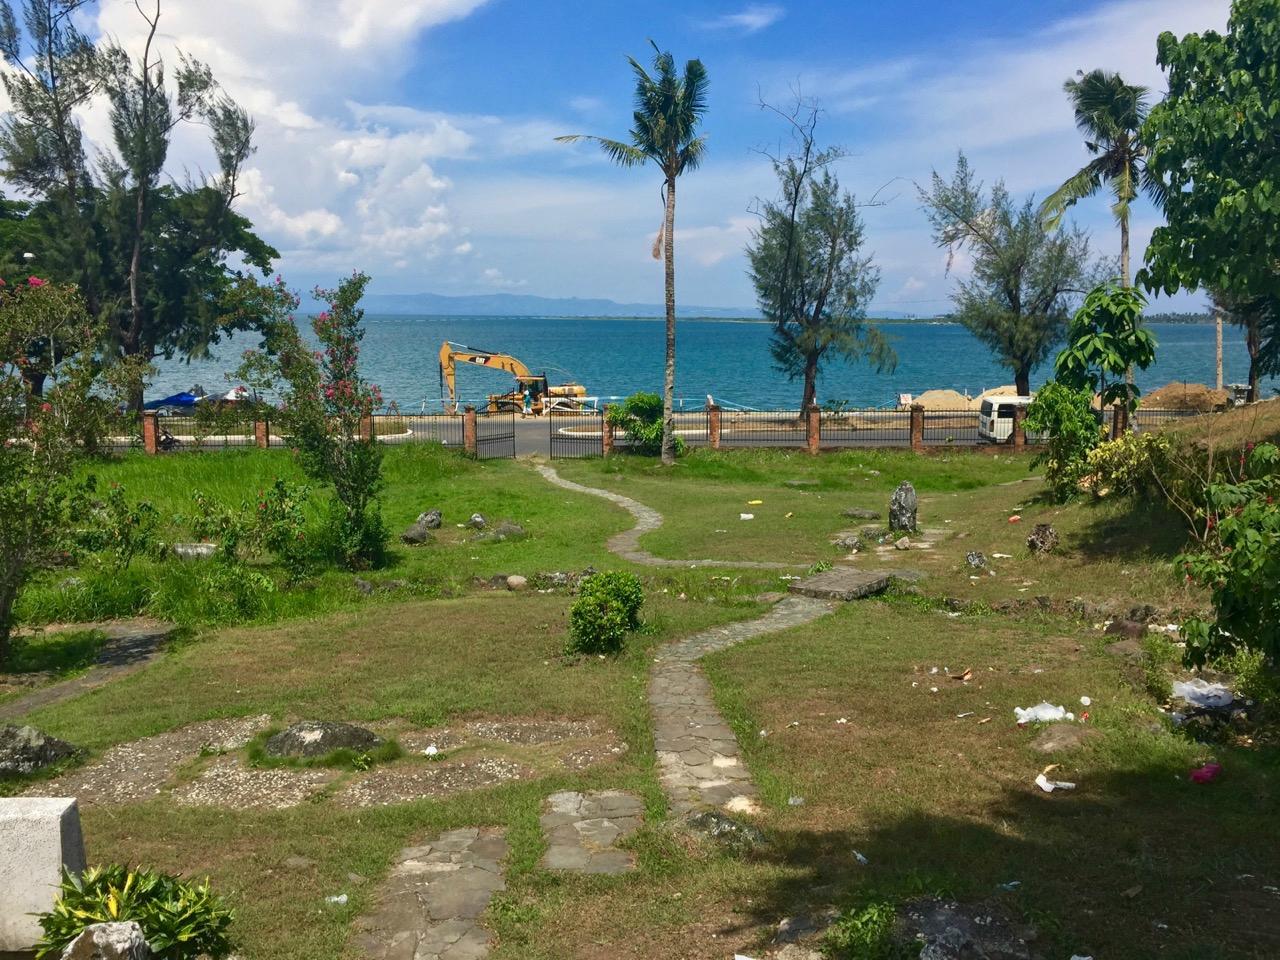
36 282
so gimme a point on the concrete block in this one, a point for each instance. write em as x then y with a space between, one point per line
38 837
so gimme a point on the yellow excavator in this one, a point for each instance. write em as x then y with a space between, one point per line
542 396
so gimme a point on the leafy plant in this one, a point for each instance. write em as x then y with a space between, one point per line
120 530
607 609
640 415
1105 340
217 593
1132 464
280 525
1240 563
219 523
180 919
868 934
1065 415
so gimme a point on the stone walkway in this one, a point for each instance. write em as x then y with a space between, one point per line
130 646
700 762
627 543
582 831
430 906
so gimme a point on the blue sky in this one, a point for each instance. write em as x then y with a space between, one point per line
413 138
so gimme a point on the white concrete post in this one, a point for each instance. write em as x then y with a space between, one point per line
38 837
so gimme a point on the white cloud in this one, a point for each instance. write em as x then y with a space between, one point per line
494 278
750 19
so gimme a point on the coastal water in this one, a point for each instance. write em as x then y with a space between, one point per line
729 360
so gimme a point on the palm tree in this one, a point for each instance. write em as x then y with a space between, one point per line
668 109
1109 112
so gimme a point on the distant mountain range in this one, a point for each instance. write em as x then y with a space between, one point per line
526 305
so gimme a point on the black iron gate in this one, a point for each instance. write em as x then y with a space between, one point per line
576 435
495 436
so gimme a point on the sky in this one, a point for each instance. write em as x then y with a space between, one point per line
413 139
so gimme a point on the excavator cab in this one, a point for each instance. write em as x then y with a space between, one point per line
540 392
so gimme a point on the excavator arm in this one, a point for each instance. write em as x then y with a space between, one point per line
452 354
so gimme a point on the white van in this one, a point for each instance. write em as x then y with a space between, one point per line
995 417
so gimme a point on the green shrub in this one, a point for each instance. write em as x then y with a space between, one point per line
1239 563
212 593
118 530
1135 464
280 525
868 934
607 609
640 415
180 919
1066 417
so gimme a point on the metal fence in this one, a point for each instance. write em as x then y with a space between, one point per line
762 428
578 435
495 436
1143 420
175 433
944 428
865 428
397 428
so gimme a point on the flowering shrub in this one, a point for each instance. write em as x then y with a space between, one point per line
54 403
1239 563
324 409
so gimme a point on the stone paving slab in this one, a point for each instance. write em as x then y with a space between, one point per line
583 830
843 583
430 905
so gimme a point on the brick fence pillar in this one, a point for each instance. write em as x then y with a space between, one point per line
713 426
917 428
1019 436
150 433
606 431
366 427
469 445
261 434
1119 421
813 429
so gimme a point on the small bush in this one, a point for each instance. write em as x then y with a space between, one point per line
607 609
640 415
868 934
180 919
1135 464
118 530
1066 417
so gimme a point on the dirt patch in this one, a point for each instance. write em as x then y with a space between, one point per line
138 771
602 751
228 782
405 784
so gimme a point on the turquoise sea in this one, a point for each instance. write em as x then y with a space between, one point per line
727 359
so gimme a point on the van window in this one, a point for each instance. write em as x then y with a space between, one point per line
986 408
1005 412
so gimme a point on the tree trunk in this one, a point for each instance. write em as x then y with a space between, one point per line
1022 381
1253 341
1217 321
810 383
8 594
1124 276
669 374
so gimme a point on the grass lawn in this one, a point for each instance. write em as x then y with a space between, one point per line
1136 862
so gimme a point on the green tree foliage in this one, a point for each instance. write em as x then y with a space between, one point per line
325 403
669 108
1214 149
1105 340
1018 298
1110 113
159 259
1065 416
607 609
813 282
640 415
41 502
1240 563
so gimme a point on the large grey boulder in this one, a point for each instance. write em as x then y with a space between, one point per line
109 941
26 750
315 738
902 508
504 531
420 530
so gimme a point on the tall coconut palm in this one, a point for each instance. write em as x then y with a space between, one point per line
1109 112
668 109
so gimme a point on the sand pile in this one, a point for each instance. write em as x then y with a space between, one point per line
1185 396
1009 390
942 400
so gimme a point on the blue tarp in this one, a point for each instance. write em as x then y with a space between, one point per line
177 400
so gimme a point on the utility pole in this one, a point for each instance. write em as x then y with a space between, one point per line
1217 318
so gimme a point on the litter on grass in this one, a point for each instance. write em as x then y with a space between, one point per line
1086 701
961 716
754 503
1002 556
1042 713
746 516
860 858
795 801
1047 785
431 751
1206 774
1015 519
340 900
1199 693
